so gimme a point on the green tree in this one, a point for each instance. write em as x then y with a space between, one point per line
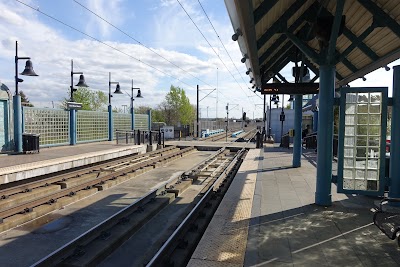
24 100
90 100
178 107
142 109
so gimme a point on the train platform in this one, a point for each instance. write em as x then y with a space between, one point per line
268 218
16 167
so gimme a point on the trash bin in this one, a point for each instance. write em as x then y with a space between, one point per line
30 142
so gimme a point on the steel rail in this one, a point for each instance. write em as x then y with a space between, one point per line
26 187
51 198
167 247
57 256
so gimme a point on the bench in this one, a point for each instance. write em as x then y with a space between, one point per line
388 222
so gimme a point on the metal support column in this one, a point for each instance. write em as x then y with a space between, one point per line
110 123
72 127
394 172
17 123
132 119
323 195
297 140
149 119
315 121
197 114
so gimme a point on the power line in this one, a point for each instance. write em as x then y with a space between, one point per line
110 46
212 48
226 50
140 43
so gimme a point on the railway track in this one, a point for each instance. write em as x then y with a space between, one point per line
157 229
28 201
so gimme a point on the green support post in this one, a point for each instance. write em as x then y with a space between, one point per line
394 172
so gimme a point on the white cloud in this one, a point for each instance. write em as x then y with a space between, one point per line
51 54
105 9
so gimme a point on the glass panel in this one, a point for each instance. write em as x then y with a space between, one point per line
374 130
362 108
348 184
360 163
361 140
349 141
375 108
349 152
349 130
350 109
349 162
351 98
375 97
372 185
361 152
375 119
362 97
359 184
374 141
362 119
360 174
373 164
362 129
350 120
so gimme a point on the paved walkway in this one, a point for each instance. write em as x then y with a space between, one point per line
286 228
7 160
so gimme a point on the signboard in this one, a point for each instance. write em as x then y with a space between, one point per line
74 105
290 88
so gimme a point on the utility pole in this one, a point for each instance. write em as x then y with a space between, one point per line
264 120
197 116
227 122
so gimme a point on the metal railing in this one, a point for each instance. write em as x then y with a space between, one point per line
137 137
310 142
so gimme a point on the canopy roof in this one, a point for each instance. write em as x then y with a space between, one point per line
274 31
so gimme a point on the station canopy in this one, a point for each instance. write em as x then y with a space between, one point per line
272 33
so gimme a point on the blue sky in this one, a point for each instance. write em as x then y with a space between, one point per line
161 25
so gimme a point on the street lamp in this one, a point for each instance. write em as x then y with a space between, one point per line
28 71
72 111
275 99
110 118
81 82
139 95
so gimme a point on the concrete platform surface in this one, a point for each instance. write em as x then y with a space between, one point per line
24 166
285 227
28 243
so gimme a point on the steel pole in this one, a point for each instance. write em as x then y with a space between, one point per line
323 195
394 171
197 114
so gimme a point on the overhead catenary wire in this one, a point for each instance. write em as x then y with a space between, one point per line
140 43
212 48
104 43
226 50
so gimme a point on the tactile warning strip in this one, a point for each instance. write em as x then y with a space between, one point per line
224 242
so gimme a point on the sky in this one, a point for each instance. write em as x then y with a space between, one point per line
152 42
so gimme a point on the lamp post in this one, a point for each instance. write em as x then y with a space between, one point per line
139 95
227 122
28 71
282 119
110 117
72 111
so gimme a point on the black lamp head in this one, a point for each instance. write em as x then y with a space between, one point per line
81 82
118 90
291 98
273 98
28 71
245 56
139 94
